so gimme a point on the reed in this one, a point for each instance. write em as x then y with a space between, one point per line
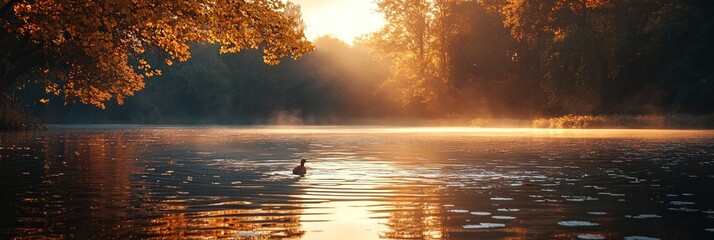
680 121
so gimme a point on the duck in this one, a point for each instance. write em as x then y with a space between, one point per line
300 169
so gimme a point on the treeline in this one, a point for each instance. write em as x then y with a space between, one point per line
336 83
449 59
519 58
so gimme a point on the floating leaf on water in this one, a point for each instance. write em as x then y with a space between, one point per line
458 210
577 223
683 209
640 238
248 234
484 225
597 213
481 213
501 199
590 237
642 216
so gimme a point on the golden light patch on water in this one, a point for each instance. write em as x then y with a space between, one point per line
350 211
347 220
362 200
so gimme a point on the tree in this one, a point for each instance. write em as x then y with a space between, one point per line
572 53
410 41
482 61
93 51
451 57
604 56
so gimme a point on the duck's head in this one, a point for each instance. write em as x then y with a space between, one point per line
303 161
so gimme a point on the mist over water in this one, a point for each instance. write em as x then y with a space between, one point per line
88 181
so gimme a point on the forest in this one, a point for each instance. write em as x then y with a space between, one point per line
434 59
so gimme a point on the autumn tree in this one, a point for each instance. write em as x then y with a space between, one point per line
94 51
410 41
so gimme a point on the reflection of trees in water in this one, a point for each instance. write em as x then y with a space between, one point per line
250 223
68 185
416 216
419 213
262 206
98 184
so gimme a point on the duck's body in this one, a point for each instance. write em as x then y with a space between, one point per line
300 169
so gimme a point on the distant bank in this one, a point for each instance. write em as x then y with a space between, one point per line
13 119
571 121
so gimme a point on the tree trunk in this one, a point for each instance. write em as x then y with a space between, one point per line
5 82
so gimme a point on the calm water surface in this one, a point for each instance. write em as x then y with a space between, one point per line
124 182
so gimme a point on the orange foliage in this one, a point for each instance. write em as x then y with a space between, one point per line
94 43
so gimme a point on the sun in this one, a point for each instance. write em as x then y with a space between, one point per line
343 19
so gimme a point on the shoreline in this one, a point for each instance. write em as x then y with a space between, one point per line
12 119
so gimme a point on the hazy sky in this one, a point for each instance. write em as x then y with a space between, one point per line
345 19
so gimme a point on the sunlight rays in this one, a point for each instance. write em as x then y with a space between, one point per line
344 19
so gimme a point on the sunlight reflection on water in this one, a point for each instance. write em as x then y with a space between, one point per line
362 183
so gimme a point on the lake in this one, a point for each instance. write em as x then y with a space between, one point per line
119 182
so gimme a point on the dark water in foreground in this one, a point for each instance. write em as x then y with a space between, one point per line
362 183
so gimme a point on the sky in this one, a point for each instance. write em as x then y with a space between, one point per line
344 19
